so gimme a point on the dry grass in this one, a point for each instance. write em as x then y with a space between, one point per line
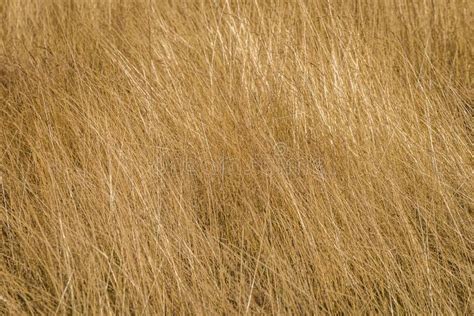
227 157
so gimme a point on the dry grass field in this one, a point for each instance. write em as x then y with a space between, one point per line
236 157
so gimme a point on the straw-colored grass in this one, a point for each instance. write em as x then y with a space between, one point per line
233 157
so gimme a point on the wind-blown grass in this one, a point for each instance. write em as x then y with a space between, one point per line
231 157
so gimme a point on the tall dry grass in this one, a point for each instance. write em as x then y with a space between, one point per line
233 157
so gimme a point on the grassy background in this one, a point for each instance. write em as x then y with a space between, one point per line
228 157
